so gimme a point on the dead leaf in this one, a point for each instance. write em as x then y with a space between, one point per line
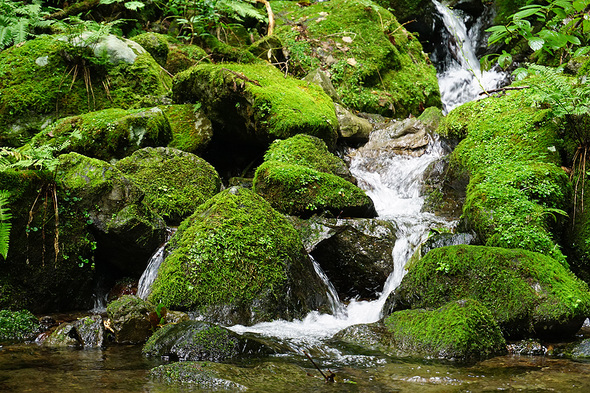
352 61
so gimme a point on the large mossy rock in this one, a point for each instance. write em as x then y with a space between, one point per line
108 134
130 319
236 260
87 332
127 231
518 193
57 76
191 129
256 103
529 294
174 182
197 340
310 152
51 253
376 66
18 325
461 330
301 191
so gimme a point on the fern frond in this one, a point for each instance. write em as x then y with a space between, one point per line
5 37
20 31
242 9
5 225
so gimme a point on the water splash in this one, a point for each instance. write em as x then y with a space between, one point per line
460 76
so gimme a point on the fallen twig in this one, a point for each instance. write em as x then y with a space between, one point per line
503 89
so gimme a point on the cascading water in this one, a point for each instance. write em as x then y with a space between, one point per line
144 288
460 77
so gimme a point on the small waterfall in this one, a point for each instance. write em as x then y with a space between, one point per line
333 298
144 288
460 77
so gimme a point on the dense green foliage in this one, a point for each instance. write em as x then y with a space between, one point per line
5 224
460 330
527 293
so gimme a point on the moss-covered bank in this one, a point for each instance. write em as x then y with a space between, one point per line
528 294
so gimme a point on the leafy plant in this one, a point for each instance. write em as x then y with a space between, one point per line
19 20
132 5
557 28
5 225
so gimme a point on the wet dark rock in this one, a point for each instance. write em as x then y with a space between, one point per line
91 331
66 335
353 129
196 340
445 187
581 350
527 348
129 318
356 254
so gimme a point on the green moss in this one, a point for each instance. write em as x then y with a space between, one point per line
460 330
527 293
256 103
225 255
44 78
375 64
517 192
18 325
307 151
174 182
111 133
155 44
299 190
191 129
183 57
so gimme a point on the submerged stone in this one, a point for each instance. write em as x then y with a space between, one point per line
237 260
528 294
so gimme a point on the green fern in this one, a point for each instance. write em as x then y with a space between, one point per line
5 225
239 9
19 21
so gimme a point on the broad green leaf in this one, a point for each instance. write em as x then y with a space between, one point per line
520 73
528 11
505 59
134 5
579 5
536 43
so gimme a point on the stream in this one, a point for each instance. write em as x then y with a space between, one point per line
393 181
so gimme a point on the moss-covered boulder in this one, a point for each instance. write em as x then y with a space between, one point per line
51 256
129 319
376 65
155 44
256 103
174 182
518 193
18 325
191 129
529 294
196 340
310 152
127 231
461 330
56 76
87 332
107 134
236 260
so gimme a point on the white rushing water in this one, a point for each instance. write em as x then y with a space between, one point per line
462 79
144 288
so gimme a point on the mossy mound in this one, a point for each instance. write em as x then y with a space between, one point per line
155 44
52 252
18 325
196 340
126 229
300 191
174 182
108 134
528 294
518 193
310 152
256 103
191 129
375 64
461 330
236 260
37 83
